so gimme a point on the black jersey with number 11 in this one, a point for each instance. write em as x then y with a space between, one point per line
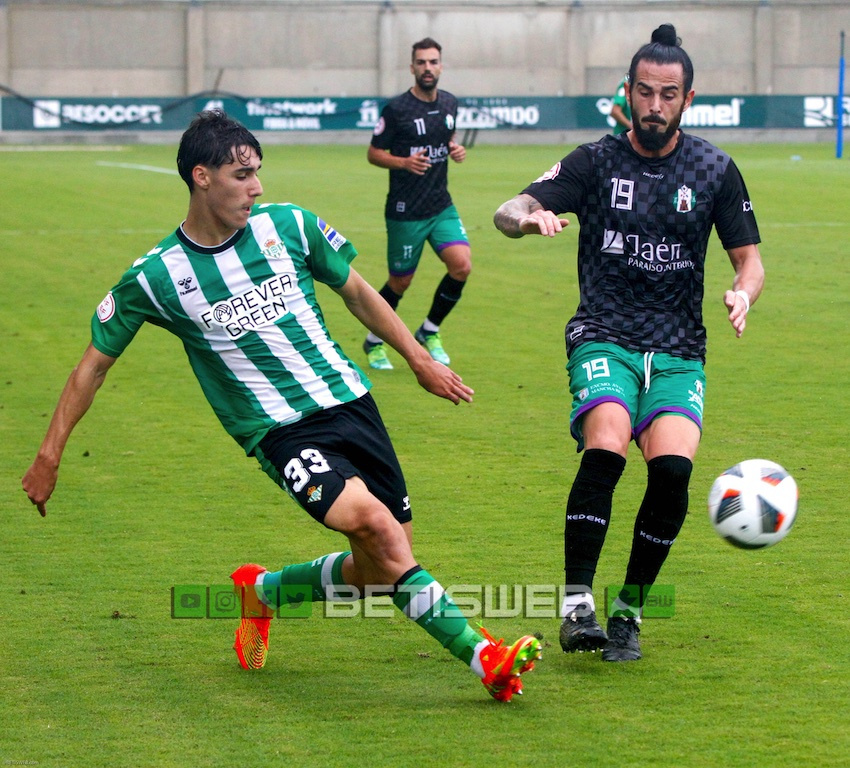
407 126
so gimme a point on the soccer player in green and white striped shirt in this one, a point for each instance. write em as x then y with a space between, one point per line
236 284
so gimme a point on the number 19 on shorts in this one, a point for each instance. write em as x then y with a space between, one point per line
597 369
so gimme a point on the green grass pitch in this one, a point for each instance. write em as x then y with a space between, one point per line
752 668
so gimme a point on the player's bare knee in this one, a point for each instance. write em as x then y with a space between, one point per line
459 266
608 442
400 284
374 526
461 273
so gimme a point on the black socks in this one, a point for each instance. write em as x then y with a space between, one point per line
588 514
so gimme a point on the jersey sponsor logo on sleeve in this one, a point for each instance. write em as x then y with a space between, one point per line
335 239
379 126
106 308
450 122
550 174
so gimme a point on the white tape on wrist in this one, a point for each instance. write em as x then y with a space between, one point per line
745 296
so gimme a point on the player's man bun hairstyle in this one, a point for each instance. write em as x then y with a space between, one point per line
665 48
210 140
666 35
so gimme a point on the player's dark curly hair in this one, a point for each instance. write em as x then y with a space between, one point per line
210 140
424 44
665 48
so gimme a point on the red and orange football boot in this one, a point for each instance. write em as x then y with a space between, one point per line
252 636
504 664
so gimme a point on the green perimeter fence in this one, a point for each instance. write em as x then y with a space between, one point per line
87 114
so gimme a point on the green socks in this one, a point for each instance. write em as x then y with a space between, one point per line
322 575
416 594
423 600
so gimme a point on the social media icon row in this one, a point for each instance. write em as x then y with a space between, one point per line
222 601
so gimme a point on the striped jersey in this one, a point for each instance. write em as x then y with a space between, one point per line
408 125
247 314
645 226
623 103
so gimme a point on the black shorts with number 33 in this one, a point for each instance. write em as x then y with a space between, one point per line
315 456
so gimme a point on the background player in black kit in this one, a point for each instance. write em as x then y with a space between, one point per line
414 139
646 201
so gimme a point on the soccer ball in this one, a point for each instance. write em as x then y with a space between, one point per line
753 504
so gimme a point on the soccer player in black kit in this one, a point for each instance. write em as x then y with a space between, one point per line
646 201
414 140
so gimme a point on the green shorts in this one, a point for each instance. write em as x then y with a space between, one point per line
646 384
406 239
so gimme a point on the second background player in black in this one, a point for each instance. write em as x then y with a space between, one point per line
414 139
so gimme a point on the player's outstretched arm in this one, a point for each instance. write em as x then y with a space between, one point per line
76 398
747 285
369 307
523 215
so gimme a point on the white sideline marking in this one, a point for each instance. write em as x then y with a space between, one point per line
60 148
85 232
137 167
815 224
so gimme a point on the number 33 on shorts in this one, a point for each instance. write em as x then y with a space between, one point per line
299 470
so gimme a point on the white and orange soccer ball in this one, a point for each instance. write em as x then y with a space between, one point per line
753 504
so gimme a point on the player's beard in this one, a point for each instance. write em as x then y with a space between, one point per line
659 133
427 85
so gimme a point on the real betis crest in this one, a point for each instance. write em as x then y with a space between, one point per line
273 249
684 200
